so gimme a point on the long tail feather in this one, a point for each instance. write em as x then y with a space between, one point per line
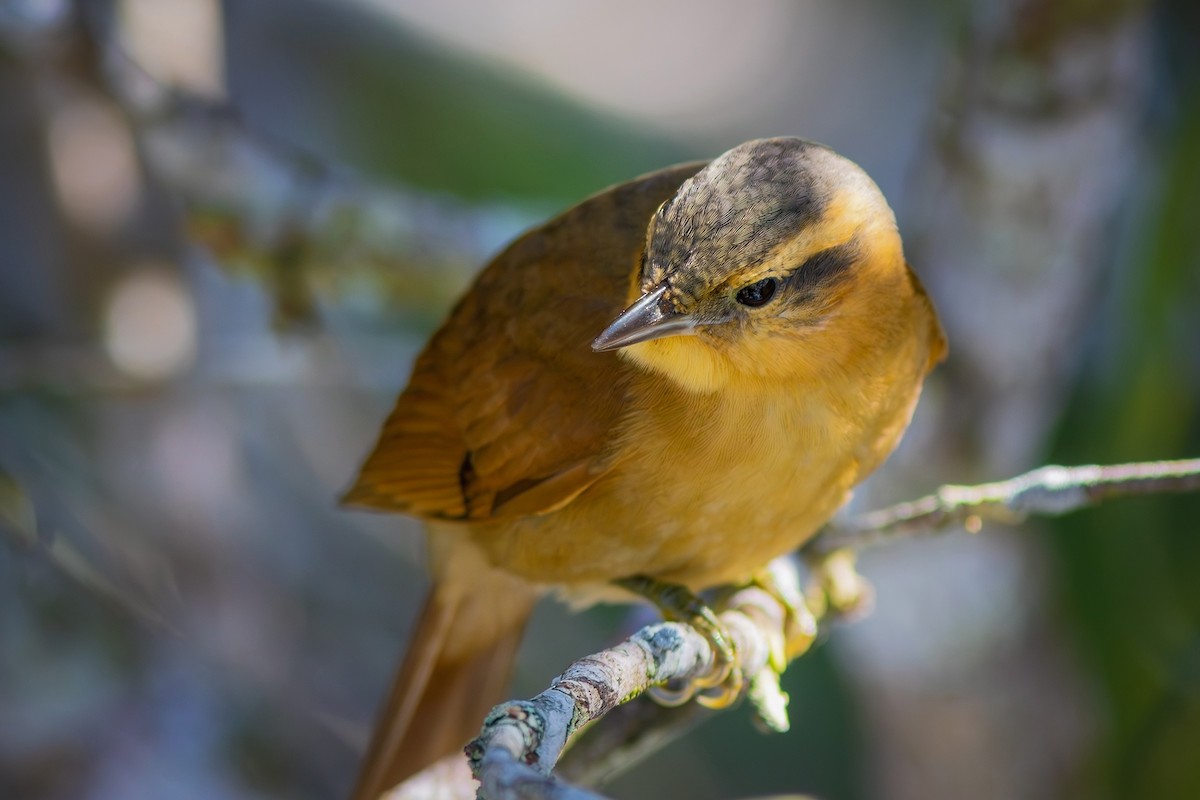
457 667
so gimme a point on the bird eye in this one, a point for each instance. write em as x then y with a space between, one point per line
758 294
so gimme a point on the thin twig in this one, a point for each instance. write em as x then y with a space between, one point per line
1046 491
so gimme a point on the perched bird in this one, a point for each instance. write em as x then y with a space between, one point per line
769 356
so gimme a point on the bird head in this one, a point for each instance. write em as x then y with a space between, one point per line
778 259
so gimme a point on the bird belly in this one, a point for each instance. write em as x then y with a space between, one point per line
701 501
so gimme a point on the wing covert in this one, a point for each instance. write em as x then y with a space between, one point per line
508 410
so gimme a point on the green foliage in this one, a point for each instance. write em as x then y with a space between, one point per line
1128 572
411 111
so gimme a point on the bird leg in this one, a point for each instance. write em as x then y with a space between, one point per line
723 684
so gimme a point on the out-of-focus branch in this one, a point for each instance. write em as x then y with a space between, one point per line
1046 491
265 206
629 734
127 583
19 529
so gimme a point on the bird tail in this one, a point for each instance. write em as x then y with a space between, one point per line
456 668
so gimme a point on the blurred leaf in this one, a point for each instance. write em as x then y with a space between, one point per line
16 510
322 74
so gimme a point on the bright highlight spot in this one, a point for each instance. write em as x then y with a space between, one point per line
150 326
93 163
177 41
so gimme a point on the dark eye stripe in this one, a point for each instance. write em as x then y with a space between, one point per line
827 265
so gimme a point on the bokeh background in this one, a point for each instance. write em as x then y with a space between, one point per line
225 228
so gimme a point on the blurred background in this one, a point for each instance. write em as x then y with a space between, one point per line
226 227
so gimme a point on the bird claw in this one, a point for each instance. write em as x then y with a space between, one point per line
721 686
725 693
671 696
724 683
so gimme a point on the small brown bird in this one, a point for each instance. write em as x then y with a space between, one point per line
769 357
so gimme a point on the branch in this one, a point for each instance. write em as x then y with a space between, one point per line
1046 491
522 741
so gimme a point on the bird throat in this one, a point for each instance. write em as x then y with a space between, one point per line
688 361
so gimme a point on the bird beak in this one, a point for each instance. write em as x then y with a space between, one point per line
644 320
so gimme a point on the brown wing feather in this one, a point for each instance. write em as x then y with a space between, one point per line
508 409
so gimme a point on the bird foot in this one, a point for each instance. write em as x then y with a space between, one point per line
838 588
722 685
781 581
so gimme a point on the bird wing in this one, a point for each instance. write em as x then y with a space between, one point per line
508 409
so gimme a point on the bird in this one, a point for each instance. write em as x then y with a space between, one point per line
680 378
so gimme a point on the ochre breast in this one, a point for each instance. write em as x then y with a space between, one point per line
706 491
